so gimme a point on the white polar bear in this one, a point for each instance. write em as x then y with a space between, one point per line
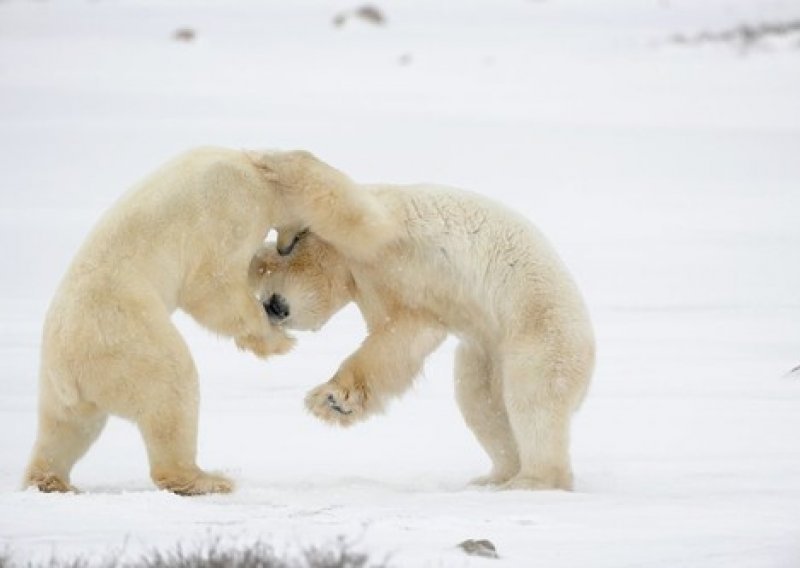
462 265
184 239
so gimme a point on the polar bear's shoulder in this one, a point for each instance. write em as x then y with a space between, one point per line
432 201
206 157
203 171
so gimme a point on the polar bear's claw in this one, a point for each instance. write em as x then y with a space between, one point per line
334 404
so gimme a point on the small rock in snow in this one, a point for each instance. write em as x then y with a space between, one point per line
481 547
184 34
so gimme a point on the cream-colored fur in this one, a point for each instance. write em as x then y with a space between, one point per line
183 239
462 265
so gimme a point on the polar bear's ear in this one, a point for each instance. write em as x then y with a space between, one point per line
265 164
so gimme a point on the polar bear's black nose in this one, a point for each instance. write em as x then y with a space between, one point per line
277 308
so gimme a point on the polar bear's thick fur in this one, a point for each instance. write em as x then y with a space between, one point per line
462 265
183 239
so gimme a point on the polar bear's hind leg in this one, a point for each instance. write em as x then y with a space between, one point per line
168 424
481 404
156 387
540 414
64 436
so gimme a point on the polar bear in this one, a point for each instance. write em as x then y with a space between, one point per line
184 238
462 265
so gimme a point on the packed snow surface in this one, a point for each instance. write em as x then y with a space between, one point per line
667 175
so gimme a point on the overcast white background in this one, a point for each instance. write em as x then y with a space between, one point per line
668 176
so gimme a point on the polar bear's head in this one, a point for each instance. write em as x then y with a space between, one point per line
301 280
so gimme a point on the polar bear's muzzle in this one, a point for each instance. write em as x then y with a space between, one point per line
277 308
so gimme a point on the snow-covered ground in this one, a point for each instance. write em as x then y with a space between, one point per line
668 176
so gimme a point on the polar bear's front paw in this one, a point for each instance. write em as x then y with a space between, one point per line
280 342
337 404
274 344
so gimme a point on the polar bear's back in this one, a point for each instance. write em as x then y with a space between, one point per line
489 258
177 215
192 192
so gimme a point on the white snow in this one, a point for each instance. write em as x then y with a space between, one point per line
668 177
